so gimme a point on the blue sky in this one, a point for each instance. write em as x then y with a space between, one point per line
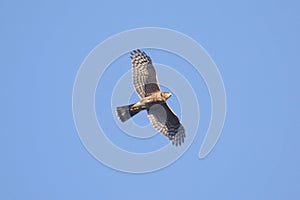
255 45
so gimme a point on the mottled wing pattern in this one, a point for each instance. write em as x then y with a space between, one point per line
166 122
143 74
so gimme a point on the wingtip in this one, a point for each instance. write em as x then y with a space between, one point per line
136 51
178 139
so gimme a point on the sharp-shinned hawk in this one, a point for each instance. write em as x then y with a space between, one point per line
152 99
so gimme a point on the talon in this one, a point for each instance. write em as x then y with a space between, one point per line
135 108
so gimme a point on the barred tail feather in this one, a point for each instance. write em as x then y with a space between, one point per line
124 112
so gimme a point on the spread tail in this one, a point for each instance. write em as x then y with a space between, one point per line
124 112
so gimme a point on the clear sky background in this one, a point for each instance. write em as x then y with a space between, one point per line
255 45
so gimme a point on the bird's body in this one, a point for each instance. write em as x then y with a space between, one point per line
153 100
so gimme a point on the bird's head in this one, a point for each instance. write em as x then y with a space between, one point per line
166 95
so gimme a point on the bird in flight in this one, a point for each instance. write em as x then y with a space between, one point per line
152 99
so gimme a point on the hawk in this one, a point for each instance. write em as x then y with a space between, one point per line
152 99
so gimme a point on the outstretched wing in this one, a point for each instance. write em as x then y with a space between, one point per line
143 74
166 122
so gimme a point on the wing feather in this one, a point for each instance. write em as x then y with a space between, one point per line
165 121
143 74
